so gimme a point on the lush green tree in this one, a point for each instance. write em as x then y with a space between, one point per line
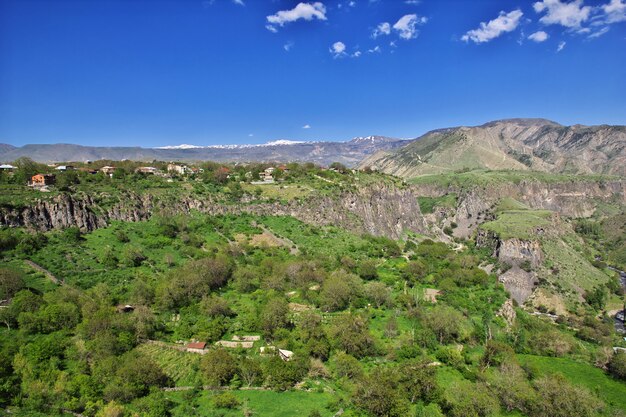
226 400
218 367
281 375
194 280
495 354
339 289
597 297
617 365
445 322
215 306
134 376
246 279
11 281
380 394
559 398
378 293
31 243
512 388
155 405
250 371
466 399
367 269
274 316
347 366
419 380
414 271
349 332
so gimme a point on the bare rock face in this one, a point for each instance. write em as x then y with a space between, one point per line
519 283
516 251
507 312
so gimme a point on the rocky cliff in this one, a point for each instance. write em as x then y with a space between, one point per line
378 210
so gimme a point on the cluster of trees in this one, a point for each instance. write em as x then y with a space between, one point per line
367 328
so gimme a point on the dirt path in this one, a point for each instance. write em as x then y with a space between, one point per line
44 271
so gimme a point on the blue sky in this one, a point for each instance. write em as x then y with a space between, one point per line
153 73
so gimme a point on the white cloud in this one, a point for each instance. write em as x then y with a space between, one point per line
251 134
561 46
338 49
287 47
505 22
382 29
306 127
239 2
356 54
538 36
376 49
570 15
406 26
306 11
393 44
412 2
599 33
615 11
352 4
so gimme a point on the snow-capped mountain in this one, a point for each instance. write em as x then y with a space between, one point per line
349 153
280 142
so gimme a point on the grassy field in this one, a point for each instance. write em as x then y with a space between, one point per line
260 403
518 223
428 204
569 270
608 389
326 241
482 178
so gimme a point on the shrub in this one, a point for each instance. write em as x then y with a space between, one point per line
617 365
226 400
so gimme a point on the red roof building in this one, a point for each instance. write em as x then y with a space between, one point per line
197 347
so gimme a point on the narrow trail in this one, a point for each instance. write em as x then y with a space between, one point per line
44 271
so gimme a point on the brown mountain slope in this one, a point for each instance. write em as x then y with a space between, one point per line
518 144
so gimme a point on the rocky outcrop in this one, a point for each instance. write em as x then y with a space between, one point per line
511 251
517 252
519 283
381 210
520 255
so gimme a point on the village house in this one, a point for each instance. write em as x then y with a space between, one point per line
178 169
88 170
41 180
6 167
196 347
285 355
65 168
147 170
125 308
108 170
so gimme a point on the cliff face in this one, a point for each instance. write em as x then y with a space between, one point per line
378 210
569 198
515 252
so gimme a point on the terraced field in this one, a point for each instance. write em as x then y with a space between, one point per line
181 367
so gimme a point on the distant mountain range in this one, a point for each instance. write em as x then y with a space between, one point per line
517 144
349 153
